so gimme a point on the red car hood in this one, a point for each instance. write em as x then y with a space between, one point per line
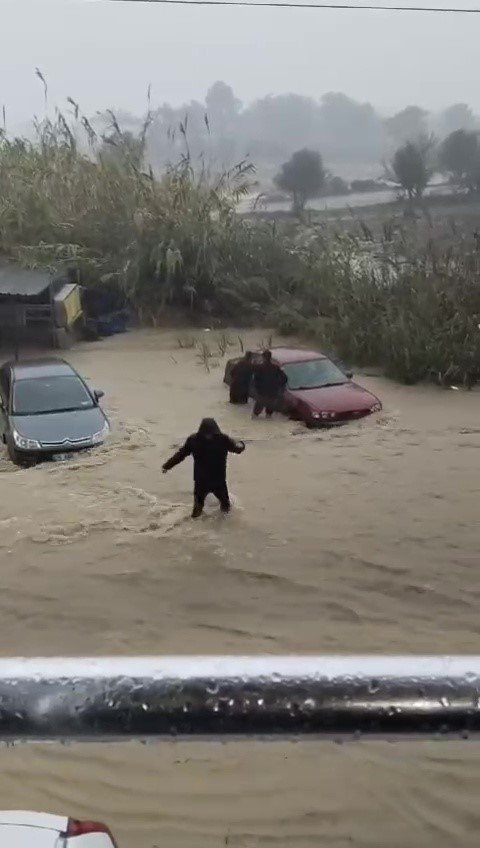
348 397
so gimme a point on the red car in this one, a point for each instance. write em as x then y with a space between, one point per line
317 391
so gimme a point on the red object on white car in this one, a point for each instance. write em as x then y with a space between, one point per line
25 829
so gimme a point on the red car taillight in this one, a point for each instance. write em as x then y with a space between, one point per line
80 828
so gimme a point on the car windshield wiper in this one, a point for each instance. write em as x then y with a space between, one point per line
319 386
67 409
54 411
327 385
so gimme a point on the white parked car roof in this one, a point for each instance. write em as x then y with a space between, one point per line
28 829
27 818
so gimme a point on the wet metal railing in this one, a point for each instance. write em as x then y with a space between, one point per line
108 698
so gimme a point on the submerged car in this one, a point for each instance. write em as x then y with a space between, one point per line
47 410
318 392
25 829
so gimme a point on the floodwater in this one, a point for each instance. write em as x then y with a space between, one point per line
360 539
356 200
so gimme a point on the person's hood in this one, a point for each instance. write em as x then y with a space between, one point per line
60 428
209 427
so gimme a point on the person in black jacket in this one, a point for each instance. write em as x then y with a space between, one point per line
269 381
240 379
209 448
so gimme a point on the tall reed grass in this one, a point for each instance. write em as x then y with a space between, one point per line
414 311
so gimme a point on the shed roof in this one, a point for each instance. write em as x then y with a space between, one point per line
22 282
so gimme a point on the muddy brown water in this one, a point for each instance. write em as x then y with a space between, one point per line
360 539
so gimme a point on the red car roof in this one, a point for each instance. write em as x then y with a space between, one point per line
284 355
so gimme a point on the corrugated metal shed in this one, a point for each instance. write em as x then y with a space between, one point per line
21 282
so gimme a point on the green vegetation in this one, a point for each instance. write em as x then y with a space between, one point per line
459 158
177 242
416 314
411 167
174 241
303 177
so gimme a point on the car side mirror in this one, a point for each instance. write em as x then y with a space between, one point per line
349 375
98 394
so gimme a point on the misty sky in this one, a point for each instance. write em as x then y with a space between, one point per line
105 53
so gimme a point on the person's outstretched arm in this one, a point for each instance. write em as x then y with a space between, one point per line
178 457
235 447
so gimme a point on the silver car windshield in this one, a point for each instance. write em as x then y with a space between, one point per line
50 394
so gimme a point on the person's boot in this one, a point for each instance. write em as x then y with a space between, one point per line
197 510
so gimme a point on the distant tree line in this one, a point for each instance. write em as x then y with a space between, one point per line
270 129
284 134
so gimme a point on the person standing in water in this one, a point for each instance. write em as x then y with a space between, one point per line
209 448
269 381
241 378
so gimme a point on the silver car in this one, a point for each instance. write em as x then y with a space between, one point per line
47 409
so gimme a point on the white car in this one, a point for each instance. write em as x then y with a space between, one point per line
25 829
